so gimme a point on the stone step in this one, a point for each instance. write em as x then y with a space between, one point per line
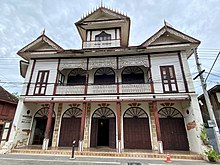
109 154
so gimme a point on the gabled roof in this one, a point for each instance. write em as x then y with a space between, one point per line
168 35
42 43
7 97
102 14
104 18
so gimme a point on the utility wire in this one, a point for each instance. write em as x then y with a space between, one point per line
212 66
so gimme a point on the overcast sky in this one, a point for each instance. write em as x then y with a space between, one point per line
22 21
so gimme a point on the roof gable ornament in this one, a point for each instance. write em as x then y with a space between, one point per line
42 43
168 33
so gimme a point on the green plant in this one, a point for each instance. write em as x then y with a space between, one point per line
203 136
212 155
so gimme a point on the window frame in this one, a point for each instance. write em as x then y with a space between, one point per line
41 82
169 78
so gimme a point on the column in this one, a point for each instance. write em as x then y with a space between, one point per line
57 126
87 126
157 143
81 138
118 107
48 127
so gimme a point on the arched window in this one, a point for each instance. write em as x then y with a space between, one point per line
103 36
132 75
104 76
77 77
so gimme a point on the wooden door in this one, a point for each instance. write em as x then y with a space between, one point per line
70 130
137 133
94 132
112 136
173 134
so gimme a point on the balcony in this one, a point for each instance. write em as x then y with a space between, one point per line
104 89
101 44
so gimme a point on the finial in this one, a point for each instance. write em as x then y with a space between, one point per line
43 32
101 4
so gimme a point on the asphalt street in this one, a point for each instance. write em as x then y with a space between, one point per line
15 159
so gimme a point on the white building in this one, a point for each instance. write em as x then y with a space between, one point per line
108 93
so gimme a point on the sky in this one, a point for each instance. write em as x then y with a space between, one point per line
22 21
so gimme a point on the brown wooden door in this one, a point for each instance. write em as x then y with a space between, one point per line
112 136
137 133
94 132
70 130
173 134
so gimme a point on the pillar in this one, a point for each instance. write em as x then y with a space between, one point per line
57 126
48 127
118 107
156 133
81 138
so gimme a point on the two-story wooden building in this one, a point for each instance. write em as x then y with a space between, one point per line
8 104
109 93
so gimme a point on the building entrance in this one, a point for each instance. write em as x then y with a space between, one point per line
103 132
103 128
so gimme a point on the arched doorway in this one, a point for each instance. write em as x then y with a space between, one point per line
173 131
103 128
39 126
136 129
70 127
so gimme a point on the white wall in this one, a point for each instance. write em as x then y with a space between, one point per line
164 60
50 65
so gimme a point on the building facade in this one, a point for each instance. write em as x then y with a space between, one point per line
8 104
109 93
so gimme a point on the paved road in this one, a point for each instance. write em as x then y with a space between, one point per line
14 159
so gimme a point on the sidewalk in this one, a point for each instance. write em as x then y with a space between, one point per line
25 159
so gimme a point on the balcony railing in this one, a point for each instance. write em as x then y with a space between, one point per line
100 89
103 89
134 88
66 90
101 44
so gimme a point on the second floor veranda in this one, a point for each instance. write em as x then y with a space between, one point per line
104 80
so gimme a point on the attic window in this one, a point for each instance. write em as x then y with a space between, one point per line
103 36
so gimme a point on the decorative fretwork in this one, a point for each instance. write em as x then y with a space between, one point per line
103 62
169 112
141 60
73 63
103 112
43 112
135 112
73 112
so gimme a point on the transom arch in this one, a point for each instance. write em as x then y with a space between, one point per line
169 112
135 112
72 112
103 113
105 71
43 112
77 71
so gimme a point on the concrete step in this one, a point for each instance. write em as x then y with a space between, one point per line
110 154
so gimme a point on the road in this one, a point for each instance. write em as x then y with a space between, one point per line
14 159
